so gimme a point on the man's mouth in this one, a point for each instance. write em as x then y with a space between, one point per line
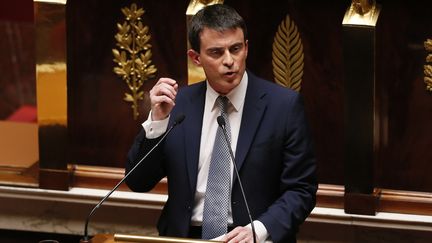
230 74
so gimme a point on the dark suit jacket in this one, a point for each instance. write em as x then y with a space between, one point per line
274 157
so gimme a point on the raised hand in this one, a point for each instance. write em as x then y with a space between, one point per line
162 98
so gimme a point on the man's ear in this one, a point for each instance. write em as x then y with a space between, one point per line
194 56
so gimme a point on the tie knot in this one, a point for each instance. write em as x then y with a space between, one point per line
222 102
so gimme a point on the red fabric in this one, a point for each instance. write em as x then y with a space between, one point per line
25 113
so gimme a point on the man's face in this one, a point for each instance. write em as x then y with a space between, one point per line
223 57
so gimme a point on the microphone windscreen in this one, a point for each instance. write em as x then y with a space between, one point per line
179 119
221 121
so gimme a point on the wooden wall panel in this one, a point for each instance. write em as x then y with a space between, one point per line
17 79
101 125
405 160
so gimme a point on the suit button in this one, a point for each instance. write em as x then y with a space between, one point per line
189 208
234 203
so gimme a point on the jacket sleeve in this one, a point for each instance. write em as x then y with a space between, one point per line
151 170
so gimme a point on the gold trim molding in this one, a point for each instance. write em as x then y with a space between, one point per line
362 12
196 5
287 55
51 1
133 56
428 65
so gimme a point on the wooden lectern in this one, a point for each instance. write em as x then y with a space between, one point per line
122 238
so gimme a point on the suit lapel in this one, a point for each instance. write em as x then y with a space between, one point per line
194 115
253 110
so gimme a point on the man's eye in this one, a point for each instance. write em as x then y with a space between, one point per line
235 49
215 53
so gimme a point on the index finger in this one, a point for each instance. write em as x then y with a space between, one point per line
169 81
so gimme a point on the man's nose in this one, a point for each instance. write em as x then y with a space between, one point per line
228 59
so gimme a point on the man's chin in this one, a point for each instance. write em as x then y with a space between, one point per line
234 78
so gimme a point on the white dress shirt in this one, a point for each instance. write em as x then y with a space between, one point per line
236 98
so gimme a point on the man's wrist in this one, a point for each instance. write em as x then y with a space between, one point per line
154 129
260 231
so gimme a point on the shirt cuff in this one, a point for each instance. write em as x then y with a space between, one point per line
260 231
154 129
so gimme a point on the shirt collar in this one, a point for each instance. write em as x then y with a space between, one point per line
235 96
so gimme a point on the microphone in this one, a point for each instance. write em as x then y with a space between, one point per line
221 122
86 239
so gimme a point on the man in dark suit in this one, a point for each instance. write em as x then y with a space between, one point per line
269 137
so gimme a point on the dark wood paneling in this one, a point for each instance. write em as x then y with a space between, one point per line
105 178
330 196
101 125
407 202
16 11
17 62
405 160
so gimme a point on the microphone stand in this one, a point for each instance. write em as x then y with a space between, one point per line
221 122
86 238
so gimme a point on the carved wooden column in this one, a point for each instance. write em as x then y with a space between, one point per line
361 130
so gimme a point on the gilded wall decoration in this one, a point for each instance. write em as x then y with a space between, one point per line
362 12
428 66
287 55
133 55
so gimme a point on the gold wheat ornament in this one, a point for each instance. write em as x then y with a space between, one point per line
288 55
133 56
428 66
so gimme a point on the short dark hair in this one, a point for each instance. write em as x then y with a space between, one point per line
219 17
